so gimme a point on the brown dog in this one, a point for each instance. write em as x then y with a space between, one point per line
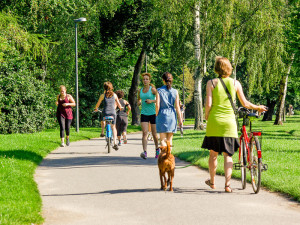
166 164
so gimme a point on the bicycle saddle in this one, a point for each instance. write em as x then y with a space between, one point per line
108 118
252 115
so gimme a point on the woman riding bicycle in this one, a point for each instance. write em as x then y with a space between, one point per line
221 132
110 101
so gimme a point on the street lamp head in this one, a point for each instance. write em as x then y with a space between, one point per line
81 19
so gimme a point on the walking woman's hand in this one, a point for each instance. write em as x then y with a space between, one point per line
262 108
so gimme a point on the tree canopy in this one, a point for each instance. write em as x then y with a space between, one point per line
37 53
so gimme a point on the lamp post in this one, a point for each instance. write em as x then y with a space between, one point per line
76 71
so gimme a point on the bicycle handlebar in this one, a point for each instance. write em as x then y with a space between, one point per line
247 112
97 111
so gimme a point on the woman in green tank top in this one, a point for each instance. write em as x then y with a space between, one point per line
221 131
146 98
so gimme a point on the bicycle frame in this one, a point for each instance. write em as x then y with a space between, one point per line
108 129
247 140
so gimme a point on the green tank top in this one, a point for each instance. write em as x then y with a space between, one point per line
147 109
221 121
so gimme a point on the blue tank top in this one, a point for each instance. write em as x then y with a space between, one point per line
147 109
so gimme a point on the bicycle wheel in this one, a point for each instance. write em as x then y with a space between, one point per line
243 163
108 144
255 167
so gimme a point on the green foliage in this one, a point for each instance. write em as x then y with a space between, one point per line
24 100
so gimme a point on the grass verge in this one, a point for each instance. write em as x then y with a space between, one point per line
20 154
280 150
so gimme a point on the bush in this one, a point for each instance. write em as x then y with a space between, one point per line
24 100
296 112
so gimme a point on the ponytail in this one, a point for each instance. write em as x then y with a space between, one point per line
168 78
108 89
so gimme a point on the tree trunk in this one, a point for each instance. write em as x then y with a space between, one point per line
271 106
132 96
198 72
282 94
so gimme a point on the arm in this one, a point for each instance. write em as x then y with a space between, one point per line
99 101
139 102
128 107
153 89
208 102
118 102
177 107
71 100
157 105
245 102
57 100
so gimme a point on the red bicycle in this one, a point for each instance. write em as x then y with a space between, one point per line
250 156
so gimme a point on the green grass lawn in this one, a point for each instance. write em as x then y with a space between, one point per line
280 150
20 154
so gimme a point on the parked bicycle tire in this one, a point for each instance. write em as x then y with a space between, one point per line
243 163
256 164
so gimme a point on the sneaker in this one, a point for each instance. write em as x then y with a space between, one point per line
62 144
68 142
144 155
116 147
119 143
102 135
157 151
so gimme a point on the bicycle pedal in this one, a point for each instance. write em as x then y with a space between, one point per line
264 167
237 166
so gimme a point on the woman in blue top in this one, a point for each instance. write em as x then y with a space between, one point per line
110 102
146 98
167 102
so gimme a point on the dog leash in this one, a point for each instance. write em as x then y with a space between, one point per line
191 164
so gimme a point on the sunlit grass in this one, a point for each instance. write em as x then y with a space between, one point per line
280 150
20 154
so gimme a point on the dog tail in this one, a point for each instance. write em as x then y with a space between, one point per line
168 149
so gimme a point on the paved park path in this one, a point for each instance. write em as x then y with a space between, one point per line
83 184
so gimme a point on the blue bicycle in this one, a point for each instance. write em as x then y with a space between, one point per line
108 130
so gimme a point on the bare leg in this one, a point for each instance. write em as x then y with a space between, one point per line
154 134
166 137
113 127
102 127
212 162
170 139
144 126
124 137
163 138
228 164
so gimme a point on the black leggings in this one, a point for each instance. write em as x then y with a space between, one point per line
64 125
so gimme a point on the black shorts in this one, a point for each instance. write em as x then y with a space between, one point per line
147 119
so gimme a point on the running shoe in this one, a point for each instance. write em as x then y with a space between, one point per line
157 151
68 142
144 155
62 144
119 144
116 147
